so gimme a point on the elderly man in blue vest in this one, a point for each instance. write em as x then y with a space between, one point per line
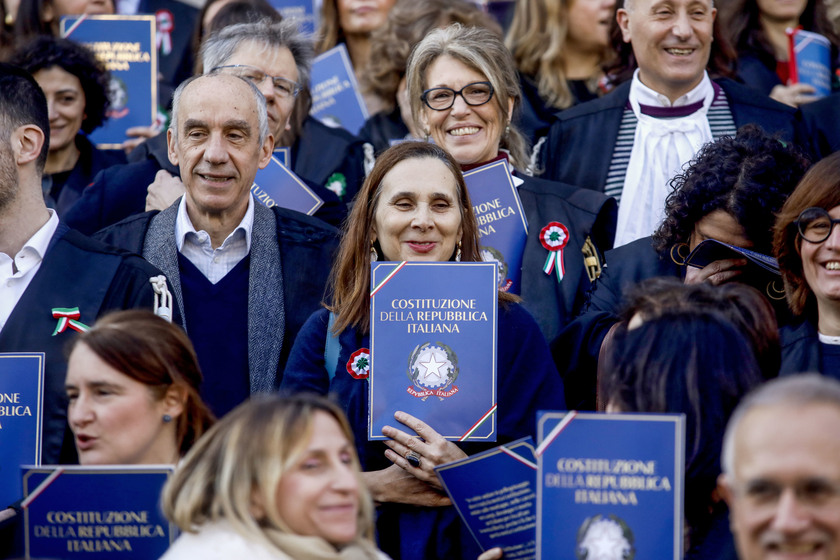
631 142
245 276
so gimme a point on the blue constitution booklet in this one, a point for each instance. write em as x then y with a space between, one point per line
21 396
336 100
277 185
433 347
96 512
501 221
809 60
301 11
611 483
495 493
126 46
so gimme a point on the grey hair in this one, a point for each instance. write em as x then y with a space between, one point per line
220 46
796 390
259 99
483 51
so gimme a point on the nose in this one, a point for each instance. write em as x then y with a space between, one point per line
459 106
53 114
682 26
422 217
833 241
345 478
79 413
215 150
790 515
266 87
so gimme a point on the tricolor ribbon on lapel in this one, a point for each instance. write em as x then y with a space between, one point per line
554 238
68 318
165 26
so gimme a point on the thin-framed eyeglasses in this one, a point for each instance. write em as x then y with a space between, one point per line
815 224
283 87
442 98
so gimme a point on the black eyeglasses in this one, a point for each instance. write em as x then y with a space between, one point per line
283 87
815 224
442 98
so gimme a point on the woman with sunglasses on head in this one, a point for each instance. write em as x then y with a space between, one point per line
464 92
807 245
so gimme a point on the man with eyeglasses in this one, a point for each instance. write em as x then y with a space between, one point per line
630 143
781 470
245 277
277 58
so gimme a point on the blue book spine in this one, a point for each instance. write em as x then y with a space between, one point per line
126 46
302 11
610 482
21 398
277 185
495 493
336 100
502 225
433 347
96 513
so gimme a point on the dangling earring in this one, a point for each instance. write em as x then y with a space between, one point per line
458 252
681 248
374 255
507 130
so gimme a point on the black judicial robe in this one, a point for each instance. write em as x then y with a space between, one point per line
76 272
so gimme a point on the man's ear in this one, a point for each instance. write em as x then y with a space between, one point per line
622 16
266 150
724 488
170 145
27 142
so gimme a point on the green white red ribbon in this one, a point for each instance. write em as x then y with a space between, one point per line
358 366
554 238
68 318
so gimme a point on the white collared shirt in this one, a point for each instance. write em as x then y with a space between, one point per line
197 246
17 273
661 149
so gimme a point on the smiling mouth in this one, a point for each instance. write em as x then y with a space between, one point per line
215 179
794 549
679 52
421 246
833 265
464 131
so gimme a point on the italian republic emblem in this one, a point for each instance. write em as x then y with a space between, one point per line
432 369
491 254
358 366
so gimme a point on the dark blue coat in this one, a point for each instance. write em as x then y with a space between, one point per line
820 133
580 143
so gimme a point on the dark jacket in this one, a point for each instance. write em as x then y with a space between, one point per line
820 131
76 272
801 348
91 161
587 215
291 256
580 144
576 349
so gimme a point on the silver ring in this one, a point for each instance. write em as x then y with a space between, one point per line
413 459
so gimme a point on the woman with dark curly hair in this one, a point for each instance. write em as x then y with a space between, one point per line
756 28
807 246
76 87
730 193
